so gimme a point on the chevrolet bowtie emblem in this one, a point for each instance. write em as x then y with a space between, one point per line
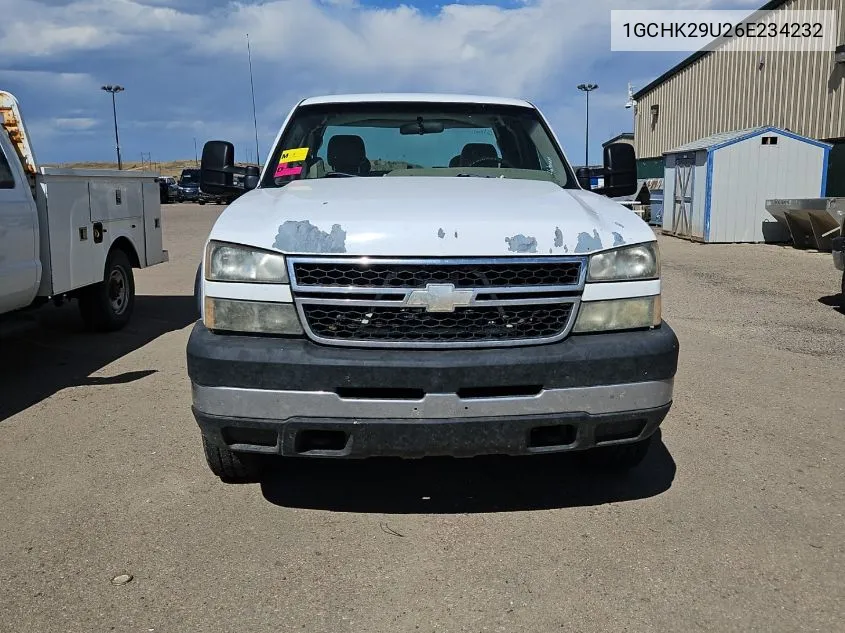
439 298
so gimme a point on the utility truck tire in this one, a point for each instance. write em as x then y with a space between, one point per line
232 467
619 458
107 306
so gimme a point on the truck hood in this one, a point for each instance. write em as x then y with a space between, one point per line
429 216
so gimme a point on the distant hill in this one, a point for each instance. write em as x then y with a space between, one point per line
171 168
175 167
389 165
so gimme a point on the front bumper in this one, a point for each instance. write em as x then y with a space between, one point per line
293 397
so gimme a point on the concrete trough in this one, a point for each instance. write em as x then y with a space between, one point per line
811 222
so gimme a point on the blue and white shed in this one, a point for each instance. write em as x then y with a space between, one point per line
715 189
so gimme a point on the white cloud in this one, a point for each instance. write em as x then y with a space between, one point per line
74 123
58 82
536 49
30 30
467 48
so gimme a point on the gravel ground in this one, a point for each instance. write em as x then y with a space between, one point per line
733 523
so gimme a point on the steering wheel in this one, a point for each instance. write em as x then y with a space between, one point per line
497 162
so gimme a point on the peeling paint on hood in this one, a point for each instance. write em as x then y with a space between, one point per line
304 237
428 216
521 244
588 243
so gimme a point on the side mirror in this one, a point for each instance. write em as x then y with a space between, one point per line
582 174
620 170
217 169
251 175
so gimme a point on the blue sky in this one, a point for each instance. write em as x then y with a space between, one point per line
184 65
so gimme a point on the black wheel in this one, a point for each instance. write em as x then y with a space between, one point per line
842 296
619 458
108 305
197 298
232 467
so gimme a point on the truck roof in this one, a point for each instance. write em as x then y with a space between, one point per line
392 97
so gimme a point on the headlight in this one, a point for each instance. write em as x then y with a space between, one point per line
230 262
641 261
251 316
618 314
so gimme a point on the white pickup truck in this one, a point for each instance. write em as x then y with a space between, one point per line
72 233
415 275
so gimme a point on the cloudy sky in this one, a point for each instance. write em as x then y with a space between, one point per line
185 69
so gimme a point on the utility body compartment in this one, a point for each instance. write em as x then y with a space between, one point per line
72 233
84 212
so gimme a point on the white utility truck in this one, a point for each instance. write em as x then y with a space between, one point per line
415 275
72 233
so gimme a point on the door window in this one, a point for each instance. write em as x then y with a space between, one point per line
7 180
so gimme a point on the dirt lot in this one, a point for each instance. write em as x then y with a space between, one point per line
734 522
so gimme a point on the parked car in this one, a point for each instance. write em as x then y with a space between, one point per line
168 189
365 298
189 186
71 233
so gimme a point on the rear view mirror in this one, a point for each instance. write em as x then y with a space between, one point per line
422 127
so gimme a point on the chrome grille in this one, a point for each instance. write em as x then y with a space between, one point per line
404 275
415 325
432 303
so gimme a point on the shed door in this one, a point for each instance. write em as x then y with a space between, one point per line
682 196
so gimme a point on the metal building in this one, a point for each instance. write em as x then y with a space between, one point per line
716 188
730 88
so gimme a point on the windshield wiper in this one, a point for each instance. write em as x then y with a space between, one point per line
476 176
340 174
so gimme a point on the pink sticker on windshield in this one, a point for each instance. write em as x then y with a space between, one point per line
284 170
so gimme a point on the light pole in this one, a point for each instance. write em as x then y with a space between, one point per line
587 88
196 157
114 90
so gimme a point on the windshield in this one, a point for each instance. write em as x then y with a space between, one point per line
416 139
190 177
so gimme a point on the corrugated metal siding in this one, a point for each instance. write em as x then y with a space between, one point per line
803 92
790 169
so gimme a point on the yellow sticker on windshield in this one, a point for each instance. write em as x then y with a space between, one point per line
294 155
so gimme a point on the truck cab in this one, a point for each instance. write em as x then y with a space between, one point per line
414 275
20 265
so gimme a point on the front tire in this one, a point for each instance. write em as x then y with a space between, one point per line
232 467
842 295
620 458
108 305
